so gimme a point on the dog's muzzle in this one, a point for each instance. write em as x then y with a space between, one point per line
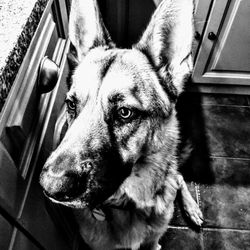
65 184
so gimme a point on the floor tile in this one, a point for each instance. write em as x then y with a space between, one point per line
225 206
228 130
233 172
215 130
180 239
226 203
226 240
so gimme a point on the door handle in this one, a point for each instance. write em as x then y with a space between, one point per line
47 75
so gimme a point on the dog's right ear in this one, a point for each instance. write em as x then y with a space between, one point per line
86 28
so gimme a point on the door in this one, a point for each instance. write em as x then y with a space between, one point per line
224 56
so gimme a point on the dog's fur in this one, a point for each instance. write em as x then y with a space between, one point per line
120 152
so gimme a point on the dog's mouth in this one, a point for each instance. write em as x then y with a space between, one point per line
80 202
69 200
77 203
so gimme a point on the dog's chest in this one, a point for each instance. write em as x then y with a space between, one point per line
115 227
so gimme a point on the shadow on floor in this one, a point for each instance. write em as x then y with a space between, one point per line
217 173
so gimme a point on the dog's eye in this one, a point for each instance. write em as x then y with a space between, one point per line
125 113
71 105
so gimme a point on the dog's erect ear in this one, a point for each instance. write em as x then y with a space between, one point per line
168 40
86 28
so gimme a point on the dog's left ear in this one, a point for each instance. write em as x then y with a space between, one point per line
168 40
86 28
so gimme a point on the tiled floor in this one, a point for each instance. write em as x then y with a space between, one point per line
218 173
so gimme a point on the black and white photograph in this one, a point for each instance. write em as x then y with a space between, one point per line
125 125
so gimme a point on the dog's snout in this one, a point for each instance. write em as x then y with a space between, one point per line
64 182
66 186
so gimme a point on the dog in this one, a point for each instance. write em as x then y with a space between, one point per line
117 165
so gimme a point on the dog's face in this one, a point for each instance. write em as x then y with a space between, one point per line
116 101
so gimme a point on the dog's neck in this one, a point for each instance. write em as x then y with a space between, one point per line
104 211
127 195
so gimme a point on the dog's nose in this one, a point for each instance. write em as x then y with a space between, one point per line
65 184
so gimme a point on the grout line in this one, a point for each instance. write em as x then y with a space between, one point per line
198 198
202 239
226 105
229 158
214 229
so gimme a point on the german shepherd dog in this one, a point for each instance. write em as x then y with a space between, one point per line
117 163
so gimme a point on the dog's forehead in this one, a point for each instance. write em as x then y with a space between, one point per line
129 70
89 73
112 71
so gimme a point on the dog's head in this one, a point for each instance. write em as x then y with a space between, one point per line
120 104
